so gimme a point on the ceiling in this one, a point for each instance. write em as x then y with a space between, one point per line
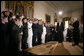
65 6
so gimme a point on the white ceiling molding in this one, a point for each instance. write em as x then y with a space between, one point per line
65 5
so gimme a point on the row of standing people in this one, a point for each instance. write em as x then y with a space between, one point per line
11 30
35 32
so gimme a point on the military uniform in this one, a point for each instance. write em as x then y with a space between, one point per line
43 34
48 35
30 34
39 33
34 28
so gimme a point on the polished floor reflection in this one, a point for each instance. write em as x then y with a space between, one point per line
65 49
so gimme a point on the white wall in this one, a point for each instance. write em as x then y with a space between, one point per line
2 5
76 13
41 9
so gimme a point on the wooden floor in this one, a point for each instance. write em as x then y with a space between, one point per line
45 49
74 50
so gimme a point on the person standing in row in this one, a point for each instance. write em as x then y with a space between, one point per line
4 36
43 34
21 28
39 31
48 34
30 34
53 33
60 29
25 34
76 32
34 28
14 40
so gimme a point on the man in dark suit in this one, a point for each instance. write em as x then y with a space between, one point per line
60 29
34 28
48 35
14 40
39 31
4 36
75 32
53 33
25 34
10 24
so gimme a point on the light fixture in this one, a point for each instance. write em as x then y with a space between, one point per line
60 12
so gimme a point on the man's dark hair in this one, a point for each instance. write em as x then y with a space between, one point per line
17 19
10 14
24 18
3 12
35 20
30 19
39 20
17 16
4 17
20 15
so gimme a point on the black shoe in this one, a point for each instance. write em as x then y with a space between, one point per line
77 44
73 44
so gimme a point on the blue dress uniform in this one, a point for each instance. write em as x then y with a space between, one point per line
34 28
